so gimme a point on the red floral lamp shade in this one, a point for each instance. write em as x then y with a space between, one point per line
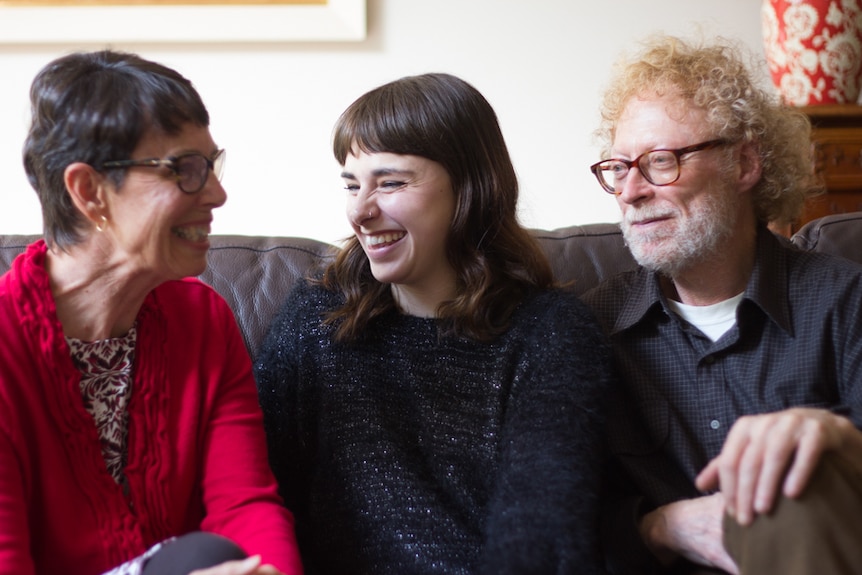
814 50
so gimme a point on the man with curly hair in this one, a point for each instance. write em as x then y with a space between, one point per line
736 437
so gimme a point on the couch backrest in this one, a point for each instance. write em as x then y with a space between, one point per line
839 234
255 273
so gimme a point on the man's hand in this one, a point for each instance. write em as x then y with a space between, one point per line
249 566
767 453
690 528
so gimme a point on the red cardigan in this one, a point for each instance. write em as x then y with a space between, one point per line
196 448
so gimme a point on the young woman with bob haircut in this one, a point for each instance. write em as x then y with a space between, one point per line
432 401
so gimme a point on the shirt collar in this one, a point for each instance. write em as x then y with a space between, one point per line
767 287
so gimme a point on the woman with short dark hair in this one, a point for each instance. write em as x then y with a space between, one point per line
131 438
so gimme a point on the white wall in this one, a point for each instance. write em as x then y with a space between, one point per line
541 63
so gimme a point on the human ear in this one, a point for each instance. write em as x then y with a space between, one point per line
750 166
86 187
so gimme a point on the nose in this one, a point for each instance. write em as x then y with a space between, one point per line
361 207
634 188
213 192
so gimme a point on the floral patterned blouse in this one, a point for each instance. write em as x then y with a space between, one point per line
106 387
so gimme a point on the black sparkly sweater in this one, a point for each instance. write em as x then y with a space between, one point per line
411 453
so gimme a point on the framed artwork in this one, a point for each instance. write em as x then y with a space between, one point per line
149 2
180 21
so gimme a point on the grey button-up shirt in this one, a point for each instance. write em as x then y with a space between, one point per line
797 342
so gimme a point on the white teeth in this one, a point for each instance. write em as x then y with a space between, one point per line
198 234
384 238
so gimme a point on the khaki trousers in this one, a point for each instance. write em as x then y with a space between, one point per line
818 533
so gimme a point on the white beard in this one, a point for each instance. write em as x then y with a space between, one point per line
697 237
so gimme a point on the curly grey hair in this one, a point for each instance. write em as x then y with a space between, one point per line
715 78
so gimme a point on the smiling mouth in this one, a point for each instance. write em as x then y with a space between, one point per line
192 233
646 222
380 240
645 219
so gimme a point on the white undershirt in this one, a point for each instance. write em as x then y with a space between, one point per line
713 320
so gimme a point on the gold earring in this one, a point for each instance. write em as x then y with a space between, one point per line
103 223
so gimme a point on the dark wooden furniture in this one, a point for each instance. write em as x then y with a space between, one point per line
837 141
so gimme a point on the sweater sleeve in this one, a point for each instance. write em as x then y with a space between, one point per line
14 529
624 550
544 508
240 493
276 374
15 526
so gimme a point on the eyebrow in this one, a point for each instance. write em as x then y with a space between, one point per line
380 172
188 151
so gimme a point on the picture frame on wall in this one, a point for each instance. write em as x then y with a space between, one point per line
181 21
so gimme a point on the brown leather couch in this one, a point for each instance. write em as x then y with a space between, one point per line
254 273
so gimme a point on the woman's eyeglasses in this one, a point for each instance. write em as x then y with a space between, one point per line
190 170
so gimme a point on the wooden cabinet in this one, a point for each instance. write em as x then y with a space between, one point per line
837 144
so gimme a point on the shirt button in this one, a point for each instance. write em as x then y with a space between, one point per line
709 360
715 424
